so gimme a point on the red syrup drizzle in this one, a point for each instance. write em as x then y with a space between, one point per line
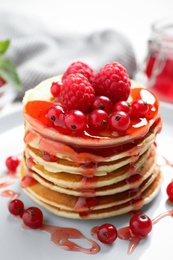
85 205
10 193
6 183
27 181
35 111
62 236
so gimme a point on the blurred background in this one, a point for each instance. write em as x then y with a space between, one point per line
133 18
46 35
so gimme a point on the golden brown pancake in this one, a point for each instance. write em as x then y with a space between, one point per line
96 207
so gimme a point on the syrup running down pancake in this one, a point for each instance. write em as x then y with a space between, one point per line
91 173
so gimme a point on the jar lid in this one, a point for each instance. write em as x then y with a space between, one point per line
163 27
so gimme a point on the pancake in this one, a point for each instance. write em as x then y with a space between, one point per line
117 180
89 174
96 207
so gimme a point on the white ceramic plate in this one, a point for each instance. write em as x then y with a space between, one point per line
16 242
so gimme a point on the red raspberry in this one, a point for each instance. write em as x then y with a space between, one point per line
112 81
77 93
80 67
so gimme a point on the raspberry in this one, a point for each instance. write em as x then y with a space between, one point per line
112 81
77 93
80 67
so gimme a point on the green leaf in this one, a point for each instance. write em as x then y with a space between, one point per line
4 46
9 73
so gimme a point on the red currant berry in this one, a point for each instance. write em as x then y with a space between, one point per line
103 103
33 217
55 88
122 106
98 119
12 162
75 120
56 115
140 108
16 207
119 121
107 233
140 225
169 191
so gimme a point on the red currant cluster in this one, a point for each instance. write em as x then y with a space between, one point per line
32 217
94 100
140 225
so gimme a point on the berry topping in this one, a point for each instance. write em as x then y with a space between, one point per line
16 207
55 88
102 102
106 103
119 121
33 217
12 162
77 93
79 67
139 108
107 233
169 191
140 225
98 119
56 115
112 81
75 120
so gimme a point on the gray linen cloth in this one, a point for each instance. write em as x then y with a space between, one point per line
40 54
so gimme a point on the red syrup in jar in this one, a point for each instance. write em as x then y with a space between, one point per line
162 83
159 61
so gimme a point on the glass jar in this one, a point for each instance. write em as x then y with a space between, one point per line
158 67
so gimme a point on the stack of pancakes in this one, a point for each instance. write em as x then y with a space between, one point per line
87 178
